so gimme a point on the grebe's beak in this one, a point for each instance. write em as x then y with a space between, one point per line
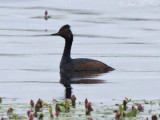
55 34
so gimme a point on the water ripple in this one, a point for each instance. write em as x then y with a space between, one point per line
28 82
73 11
99 36
134 19
38 70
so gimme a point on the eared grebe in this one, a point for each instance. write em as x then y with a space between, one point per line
80 64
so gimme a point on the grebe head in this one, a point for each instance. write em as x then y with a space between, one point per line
65 32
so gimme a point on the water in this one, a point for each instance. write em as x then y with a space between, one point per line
122 35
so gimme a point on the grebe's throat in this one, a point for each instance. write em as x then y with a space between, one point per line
66 57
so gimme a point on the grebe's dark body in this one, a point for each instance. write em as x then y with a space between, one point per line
84 64
80 64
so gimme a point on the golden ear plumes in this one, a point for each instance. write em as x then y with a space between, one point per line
66 32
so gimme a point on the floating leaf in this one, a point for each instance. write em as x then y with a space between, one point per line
62 108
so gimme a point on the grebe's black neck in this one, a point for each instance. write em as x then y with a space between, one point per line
67 51
65 33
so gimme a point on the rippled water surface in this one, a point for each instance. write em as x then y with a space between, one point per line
124 37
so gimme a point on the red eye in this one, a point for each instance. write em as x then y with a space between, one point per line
60 31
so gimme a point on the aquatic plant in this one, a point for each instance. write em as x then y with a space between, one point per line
31 117
65 111
90 118
133 107
73 99
63 107
121 110
89 108
28 112
32 103
0 100
37 107
118 115
57 113
86 101
123 114
124 105
133 113
41 116
140 108
40 102
45 104
154 117
35 114
50 112
67 106
51 116
10 111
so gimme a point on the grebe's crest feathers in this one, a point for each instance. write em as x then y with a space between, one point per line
65 32
65 27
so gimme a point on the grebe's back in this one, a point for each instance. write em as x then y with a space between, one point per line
84 64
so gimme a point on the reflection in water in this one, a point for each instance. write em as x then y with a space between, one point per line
79 77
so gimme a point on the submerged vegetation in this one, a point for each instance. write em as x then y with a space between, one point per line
71 110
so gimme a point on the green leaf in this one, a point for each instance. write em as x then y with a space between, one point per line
121 110
50 110
128 114
133 113
128 100
62 104
67 105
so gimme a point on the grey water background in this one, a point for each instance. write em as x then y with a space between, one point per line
123 34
